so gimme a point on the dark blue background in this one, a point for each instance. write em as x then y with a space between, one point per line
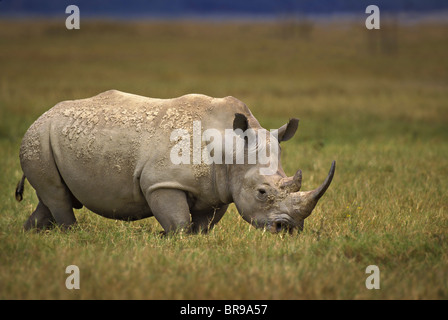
174 8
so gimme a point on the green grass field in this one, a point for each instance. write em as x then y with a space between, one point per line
375 101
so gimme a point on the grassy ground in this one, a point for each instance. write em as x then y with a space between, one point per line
375 101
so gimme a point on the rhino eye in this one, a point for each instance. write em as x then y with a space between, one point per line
261 191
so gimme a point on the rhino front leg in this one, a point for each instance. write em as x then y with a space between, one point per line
204 220
170 208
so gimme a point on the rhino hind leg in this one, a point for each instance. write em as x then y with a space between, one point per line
56 202
60 205
40 219
58 213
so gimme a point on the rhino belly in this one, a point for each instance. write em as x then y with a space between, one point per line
112 196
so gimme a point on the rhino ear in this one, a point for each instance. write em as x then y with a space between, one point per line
288 130
240 122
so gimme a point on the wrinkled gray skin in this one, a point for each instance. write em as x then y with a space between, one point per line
111 154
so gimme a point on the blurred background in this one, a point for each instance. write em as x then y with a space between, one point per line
216 8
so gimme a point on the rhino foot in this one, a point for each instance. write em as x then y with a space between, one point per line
40 219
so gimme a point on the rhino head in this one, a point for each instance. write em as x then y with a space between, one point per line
273 201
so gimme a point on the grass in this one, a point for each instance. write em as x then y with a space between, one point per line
375 101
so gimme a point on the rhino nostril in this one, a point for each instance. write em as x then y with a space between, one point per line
278 226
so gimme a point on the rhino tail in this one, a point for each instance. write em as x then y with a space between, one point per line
19 189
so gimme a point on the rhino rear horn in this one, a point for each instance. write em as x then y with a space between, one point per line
292 184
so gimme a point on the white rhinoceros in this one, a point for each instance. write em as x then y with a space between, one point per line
113 154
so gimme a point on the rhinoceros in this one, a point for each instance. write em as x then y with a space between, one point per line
112 153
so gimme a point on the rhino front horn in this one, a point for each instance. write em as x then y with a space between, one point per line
305 201
319 192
